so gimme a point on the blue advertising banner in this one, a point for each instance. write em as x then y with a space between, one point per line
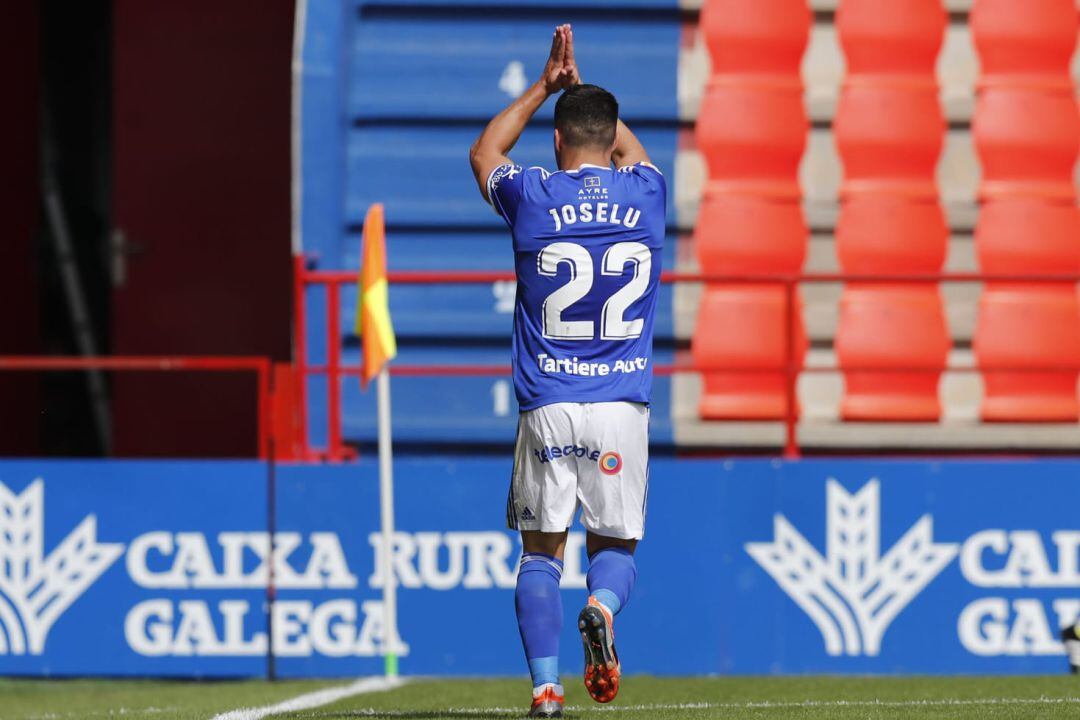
132 568
748 566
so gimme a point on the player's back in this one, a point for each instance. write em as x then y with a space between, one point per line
587 246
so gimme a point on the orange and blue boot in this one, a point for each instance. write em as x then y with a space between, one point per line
602 668
547 701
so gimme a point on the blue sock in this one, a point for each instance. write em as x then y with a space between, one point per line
612 573
539 614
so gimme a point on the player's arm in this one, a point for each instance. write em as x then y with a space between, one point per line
501 134
628 149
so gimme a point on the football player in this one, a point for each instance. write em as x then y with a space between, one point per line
587 242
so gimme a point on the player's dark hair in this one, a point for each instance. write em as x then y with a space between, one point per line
586 116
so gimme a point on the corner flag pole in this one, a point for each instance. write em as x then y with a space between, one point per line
379 347
386 505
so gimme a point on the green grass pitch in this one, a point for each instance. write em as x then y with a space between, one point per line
835 698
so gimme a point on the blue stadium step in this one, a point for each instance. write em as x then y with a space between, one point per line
415 81
487 248
467 310
625 7
421 173
479 410
453 62
454 249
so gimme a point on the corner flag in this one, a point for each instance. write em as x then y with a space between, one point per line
377 333
372 300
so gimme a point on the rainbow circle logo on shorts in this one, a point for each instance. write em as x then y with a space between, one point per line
610 463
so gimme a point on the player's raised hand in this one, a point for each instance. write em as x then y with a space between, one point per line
568 61
557 75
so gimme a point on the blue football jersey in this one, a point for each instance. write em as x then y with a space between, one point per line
587 249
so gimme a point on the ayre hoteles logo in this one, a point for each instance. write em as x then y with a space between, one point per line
853 593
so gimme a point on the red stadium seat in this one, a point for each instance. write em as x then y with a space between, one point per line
750 235
751 130
890 37
893 326
752 134
1025 325
765 37
1026 235
1029 327
880 234
1027 133
1022 41
740 328
889 131
891 329
1027 138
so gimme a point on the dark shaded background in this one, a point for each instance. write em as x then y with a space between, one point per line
166 129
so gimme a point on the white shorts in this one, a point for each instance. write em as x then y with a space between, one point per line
589 455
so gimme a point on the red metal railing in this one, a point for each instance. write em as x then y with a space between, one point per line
259 365
334 370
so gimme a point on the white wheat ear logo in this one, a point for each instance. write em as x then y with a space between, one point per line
35 590
853 594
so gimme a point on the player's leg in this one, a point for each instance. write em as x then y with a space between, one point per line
611 577
612 571
538 603
543 497
612 492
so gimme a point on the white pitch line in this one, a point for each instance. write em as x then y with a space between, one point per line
752 705
82 714
315 699
766 704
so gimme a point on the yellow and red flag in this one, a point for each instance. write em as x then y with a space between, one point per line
372 301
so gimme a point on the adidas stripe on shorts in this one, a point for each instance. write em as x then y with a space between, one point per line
592 456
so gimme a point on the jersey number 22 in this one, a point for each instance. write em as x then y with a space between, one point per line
612 324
